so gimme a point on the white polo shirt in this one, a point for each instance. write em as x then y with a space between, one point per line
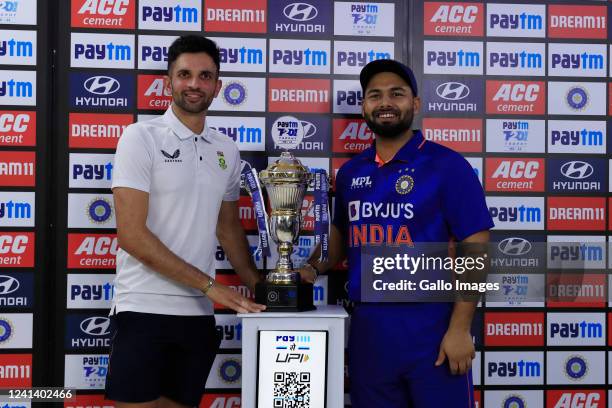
187 176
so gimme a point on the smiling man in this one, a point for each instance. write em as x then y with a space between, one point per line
176 184
414 355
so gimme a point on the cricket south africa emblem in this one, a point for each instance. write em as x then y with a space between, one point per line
221 159
404 184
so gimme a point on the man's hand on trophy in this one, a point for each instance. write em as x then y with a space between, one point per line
228 297
308 273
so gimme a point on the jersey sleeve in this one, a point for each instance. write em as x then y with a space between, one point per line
463 201
232 192
133 161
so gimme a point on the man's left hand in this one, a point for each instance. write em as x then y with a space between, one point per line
457 345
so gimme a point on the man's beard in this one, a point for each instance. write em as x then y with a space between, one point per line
198 107
390 130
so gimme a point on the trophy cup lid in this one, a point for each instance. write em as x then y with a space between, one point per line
286 169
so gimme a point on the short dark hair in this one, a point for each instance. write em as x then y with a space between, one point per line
193 44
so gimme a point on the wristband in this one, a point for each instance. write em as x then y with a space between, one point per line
317 273
210 284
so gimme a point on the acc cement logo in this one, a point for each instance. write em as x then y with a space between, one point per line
577 98
576 367
8 284
96 326
577 170
230 371
288 132
514 246
234 93
99 210
300 12
102 85
453 91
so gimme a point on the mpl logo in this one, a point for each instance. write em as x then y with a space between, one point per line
576 98
517 213
87 331
92 251
576 252
109 14
152 93
18 88
573 329
17 128
301 96
453 57
17 47
102 50
515 97
246 132
364 19
361 182
229 328
351 56
242 54
153 51
519 175
217 400
89 401
572 367
184 15
17 169
238 16
577 21
91 211
17 249
241 94
300 56
348 96
447 19
576 137
17 209
462 135
526 59
514 20
311 16
106 91
311 129
465 96
575 398
521 368
515 136
17 291
90 291
576 175
575 290
351 135
577 213
90 170
96 130
85 371
16 370
514 329
577 60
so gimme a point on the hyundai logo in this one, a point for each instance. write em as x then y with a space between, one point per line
8 284
300 12
577 170
452 91
514 246
102 85
96 326
309 129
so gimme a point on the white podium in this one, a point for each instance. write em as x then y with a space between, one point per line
326 321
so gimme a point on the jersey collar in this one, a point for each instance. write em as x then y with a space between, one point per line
182 131
404 154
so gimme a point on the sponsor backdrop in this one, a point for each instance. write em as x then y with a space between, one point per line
521 90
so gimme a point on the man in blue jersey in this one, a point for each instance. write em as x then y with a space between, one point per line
404 354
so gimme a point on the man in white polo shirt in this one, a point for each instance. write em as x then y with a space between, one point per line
176 184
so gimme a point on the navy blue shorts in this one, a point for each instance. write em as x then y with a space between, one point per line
156 355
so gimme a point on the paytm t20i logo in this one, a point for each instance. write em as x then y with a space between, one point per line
308 133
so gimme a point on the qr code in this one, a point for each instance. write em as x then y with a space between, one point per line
291 390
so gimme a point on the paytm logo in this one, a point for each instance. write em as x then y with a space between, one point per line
102 50
581 60
516 20
89 291
299 56
91 170
17 47
247 132
348 96
517 213
586 137
242 54
103 291
453 57
576 329
351 56
515 59
509 369
153 51
16 209
18 88
170 15
521 368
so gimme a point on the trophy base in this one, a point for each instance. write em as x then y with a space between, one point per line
292 297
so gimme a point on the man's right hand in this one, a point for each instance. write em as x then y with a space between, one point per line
308 273
231 299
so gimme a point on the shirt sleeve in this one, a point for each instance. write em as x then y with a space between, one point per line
133 161
463 201
232 192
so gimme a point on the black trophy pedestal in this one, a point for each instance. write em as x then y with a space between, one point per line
293 297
